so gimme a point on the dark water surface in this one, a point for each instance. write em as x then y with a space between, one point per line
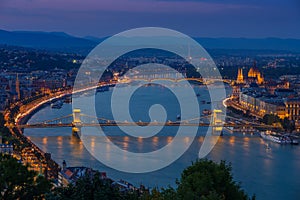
269 173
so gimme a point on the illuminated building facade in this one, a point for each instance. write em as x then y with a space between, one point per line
240 76
258 101
292 108
255 76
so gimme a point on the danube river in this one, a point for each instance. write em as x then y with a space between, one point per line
269 173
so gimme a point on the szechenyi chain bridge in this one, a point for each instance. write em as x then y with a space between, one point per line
78 119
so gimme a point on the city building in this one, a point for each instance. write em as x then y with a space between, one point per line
258 103
254 75
283 92
18 88
6 148
253 79
271 85
283 103
292 108
261 97
69 175
240 76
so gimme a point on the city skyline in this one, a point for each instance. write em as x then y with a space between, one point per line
149 99
198 18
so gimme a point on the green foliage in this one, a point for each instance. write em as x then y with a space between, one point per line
204 180
169 193
208 180
235 111
86 188
288 125
5 134
17 182
192 73
270 119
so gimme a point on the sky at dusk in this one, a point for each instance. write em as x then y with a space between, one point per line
202 18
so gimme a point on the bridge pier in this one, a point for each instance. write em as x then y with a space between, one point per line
76 129
217 123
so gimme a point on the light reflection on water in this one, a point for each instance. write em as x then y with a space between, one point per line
270 173
253 165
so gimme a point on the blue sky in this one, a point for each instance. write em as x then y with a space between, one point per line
203 18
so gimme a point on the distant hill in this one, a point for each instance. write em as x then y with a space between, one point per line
45 40
64 42
250 43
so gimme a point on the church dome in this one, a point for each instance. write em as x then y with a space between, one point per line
254 74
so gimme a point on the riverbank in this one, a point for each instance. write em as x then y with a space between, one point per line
237 148
19 113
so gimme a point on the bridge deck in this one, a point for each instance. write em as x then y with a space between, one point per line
141 124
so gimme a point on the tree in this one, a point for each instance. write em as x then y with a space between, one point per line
208 180
4 132
270 119
17 182
204 180
86 187
191 72
288 125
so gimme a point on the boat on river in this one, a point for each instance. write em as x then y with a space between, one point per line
68 99
103 88
278 138
57 105
206 112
